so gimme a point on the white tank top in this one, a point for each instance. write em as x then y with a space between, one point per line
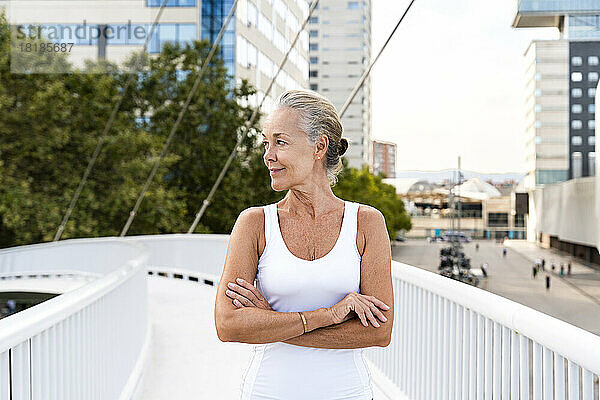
288 372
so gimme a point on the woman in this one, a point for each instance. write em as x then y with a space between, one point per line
319 263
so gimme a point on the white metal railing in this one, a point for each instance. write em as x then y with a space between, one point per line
454 341
89 343
450 339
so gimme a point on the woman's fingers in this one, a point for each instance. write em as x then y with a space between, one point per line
369 314
261 299
248 294
359 310
237 303
240 298
250 287
373 308
378 302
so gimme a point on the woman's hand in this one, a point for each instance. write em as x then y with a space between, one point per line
245 294
364 306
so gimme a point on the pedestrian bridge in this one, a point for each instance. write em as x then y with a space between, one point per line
140 325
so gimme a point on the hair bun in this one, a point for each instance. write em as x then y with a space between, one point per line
343 146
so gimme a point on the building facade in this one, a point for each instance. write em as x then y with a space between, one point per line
562 76
547 117
384 158
487 211
252 47
340 51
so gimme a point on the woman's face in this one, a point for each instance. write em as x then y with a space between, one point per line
288 151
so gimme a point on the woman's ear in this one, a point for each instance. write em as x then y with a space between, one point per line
322 145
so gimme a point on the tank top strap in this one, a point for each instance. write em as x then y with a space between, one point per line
268 210
351 224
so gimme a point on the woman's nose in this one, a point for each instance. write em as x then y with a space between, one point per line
269 155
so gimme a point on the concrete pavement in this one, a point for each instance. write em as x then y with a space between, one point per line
572 300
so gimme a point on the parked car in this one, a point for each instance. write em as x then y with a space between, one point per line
451 236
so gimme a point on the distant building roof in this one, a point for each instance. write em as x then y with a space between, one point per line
474 188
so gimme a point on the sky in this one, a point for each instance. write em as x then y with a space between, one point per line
451 82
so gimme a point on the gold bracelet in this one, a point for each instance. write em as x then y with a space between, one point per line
303 320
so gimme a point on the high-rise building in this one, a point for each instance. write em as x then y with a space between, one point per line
384 158
562 80
547 119
252 47
340 51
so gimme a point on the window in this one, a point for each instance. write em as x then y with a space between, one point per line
576 92
576 164
314 86
576 60
592 76
576 76
497 219
592 108
591 92
314 60
538 107
353 5
576 140
314 74
576 108
576 124
252 14
592 140
538 92
538 124
591 124
313 46
313 33
177 33
538 139
313 20
592 163
593 60
538 76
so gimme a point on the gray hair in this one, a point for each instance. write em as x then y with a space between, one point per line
318 117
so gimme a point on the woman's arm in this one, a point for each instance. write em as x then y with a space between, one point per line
376 261
254 325
375 280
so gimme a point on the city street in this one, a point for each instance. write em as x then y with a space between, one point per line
574 299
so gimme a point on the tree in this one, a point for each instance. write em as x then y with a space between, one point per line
51 124
363 187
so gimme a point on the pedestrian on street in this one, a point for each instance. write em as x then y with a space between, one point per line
534 272
562 270
553 266
569 268
547 282
504 252
543 264
476 246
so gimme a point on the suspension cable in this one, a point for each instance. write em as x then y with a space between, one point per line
208 59
206 202
246 127
107 127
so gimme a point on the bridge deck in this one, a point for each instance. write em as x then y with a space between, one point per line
187 360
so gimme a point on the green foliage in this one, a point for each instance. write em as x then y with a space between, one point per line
51 124
363 187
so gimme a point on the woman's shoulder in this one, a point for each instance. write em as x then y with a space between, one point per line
368 217
253 215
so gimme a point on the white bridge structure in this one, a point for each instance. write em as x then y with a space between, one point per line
110 339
